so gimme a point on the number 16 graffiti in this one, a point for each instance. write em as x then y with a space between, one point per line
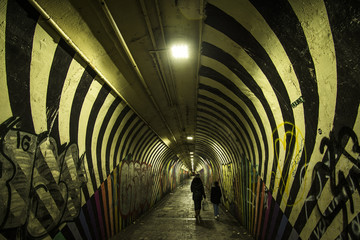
39 189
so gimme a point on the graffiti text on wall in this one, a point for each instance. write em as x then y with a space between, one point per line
135 187
342 188
39 188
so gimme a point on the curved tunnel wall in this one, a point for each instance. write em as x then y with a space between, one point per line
278 105
277 124
75 161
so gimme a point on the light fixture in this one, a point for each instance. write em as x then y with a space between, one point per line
190 138
180 51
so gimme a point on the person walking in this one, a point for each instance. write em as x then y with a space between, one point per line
215 198
197 188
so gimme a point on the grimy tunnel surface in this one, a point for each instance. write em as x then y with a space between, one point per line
99 123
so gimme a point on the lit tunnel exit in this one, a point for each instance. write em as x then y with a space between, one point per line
96 114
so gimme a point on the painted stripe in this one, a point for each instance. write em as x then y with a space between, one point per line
282 227
114 121
112 201
83 136
261 209
99 214
347 45
128 120
111 148
125 145
223 70
95 120
105 207
266 216
4 96
243 37
60 65
319 38
256 206
20 28
71 83
74 230
273 222
109 106
91 210
225 127
293 235
85 225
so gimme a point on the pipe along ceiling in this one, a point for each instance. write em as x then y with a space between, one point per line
96 114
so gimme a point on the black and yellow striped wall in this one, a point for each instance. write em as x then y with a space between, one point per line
76 162
278 107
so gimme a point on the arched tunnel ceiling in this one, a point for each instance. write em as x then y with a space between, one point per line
258 72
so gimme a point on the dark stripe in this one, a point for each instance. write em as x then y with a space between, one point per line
236 118
145 136
131 141
224 126
78 101
110 141
212 74
121 135
227 25
103 93
244 114
346 35
206 123
67 233
103 127
59 68
21 20
123 153
285 24
231 63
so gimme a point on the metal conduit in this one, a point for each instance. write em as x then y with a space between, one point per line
133 63
67 39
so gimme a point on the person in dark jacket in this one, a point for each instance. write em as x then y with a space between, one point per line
215 198
197 188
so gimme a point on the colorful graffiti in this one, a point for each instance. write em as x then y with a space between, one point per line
40 186
135 187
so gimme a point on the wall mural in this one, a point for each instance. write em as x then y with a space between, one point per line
40 185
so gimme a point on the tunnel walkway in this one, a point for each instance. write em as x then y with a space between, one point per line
174 218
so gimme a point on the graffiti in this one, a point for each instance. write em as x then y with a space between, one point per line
40 189
228 183
135 187
292 160
297 102
341 187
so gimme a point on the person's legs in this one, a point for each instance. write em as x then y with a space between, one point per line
216 210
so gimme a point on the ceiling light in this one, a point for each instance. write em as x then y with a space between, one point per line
190 138
180 51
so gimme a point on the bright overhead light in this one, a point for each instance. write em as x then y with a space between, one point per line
180 51
190 138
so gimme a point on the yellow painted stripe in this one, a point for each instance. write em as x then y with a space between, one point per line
96 131
42 55
248 16
109 128
71 82
4 96
314 21
220 68
219 39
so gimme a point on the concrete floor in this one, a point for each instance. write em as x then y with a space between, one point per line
173 218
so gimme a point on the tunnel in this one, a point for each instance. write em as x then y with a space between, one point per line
99 122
